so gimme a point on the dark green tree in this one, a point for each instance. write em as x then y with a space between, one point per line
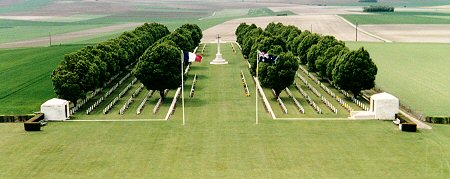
278 75
304 46
159 68
183 40
196 32
322 61
355 71
294 43
317 50
332 63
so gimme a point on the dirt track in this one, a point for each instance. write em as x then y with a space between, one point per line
411 33
323 24
60 38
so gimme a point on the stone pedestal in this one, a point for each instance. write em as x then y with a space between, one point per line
218 60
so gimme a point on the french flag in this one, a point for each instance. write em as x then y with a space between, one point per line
191 57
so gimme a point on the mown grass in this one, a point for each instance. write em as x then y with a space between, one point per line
220 139
25 77
399 18
415 72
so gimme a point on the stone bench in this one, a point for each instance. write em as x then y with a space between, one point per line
35 123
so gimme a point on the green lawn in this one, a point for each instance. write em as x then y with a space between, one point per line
25 76
415 72
220 139
399 18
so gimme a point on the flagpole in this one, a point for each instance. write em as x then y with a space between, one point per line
256 87
182 86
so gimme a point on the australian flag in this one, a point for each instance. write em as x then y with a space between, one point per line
267 58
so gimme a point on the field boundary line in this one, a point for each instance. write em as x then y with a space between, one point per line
363 31
114 120
320 119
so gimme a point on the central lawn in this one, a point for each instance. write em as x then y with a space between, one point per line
221 139
415 72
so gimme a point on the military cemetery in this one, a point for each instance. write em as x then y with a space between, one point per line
229 89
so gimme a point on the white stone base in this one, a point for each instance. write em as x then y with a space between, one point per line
218 60
362 115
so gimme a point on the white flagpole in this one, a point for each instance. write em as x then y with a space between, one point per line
256 87
182 86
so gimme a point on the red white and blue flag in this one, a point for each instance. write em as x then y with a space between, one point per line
191 57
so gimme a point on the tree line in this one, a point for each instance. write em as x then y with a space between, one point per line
91 67
378 8
350 70
159 67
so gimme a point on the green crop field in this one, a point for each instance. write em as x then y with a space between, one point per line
221 139
396 3
415 72
399 18
25 75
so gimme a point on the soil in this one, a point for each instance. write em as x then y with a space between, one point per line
60 38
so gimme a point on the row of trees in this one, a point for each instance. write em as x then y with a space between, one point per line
350 70
91 67
378 8
159 67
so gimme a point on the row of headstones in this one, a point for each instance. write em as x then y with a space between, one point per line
93 106
131 99
326 89
344 104
356 101
310 101
232 48
244 83
318 94
203 48
141 106
158 104
194 82
110 105
240 48
280 102
92 95
127 88
329 105
299 106
116 99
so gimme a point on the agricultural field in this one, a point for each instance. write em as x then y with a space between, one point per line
415 72
25 75
401 17
220 139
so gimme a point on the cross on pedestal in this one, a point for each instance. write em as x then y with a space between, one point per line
218 44
218 60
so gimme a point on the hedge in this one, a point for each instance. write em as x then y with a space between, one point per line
438 119
15 118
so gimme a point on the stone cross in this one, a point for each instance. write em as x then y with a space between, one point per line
218 44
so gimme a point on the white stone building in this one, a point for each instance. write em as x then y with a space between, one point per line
383 106
56 110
